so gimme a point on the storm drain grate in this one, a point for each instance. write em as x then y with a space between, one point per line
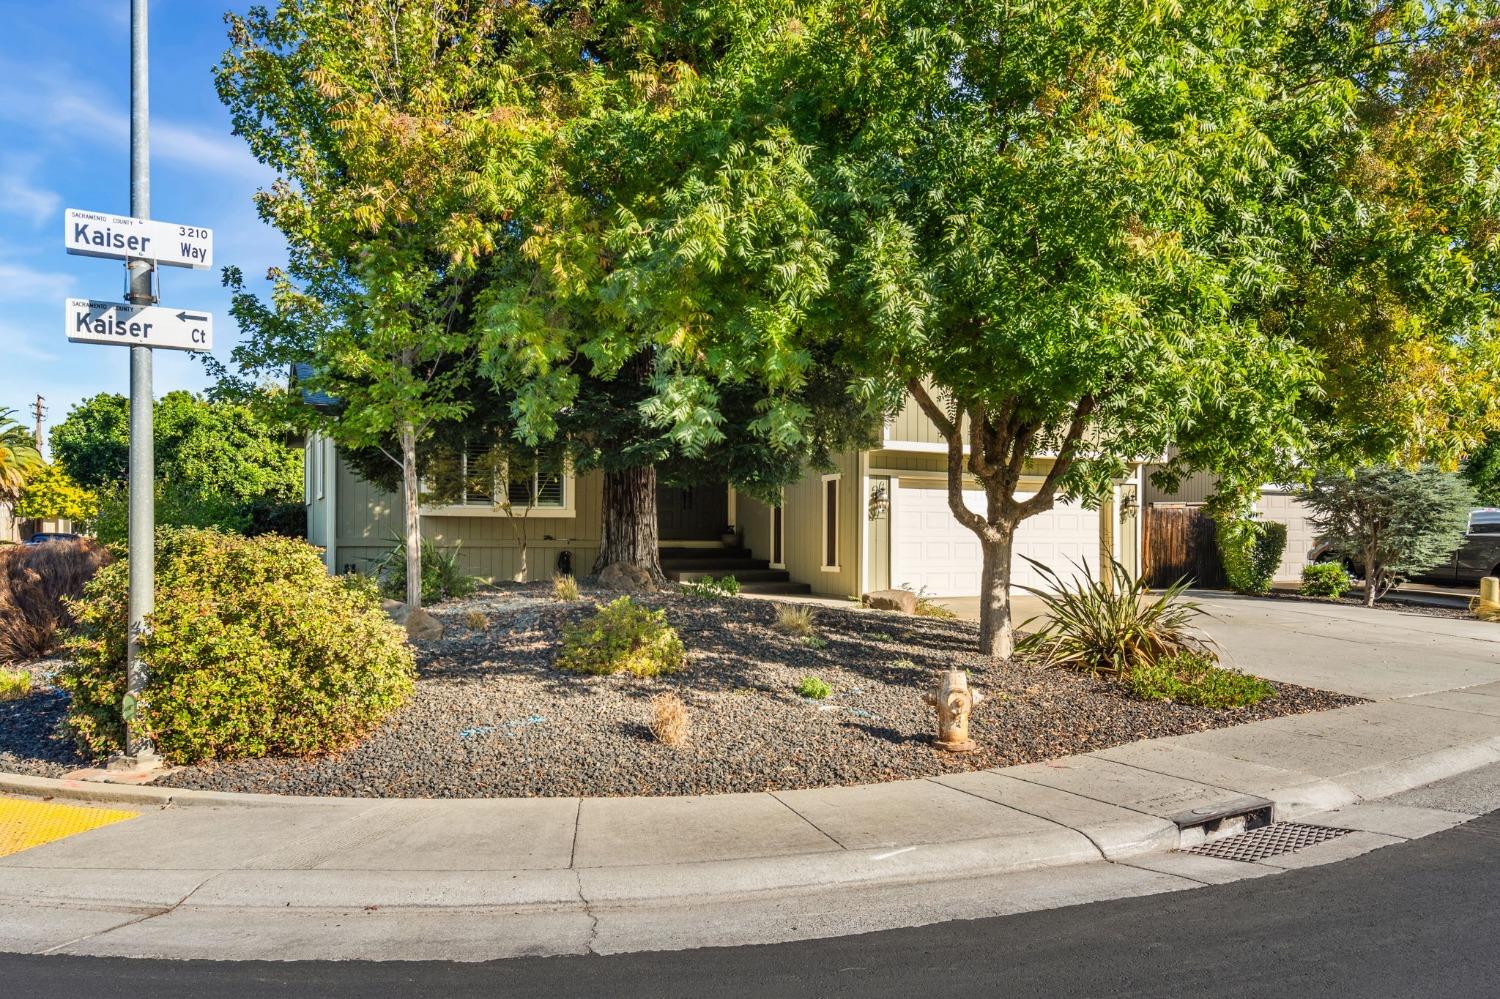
1268 841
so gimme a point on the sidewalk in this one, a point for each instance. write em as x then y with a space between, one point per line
200 874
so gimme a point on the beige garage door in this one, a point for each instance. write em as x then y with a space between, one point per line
932 550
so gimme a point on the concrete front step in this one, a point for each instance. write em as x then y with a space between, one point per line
744 575
732 565
670 553
788 588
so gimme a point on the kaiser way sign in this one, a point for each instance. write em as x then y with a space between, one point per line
89 321
95 234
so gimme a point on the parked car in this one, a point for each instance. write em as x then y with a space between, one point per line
46 537
1477 557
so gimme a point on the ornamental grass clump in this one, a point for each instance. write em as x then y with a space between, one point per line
669 720
14 684
253 650
622 636
795 619
1196 678
1109 624
36 583
564 589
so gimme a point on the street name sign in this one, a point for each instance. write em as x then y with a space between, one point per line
95 234
89 321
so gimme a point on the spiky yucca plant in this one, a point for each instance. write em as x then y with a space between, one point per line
1105 625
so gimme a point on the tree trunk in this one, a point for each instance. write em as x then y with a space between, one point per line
1371 580
996 631
410 501
629 532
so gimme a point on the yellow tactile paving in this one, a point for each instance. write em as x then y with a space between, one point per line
25 824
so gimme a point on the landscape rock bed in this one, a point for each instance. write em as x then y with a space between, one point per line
493 717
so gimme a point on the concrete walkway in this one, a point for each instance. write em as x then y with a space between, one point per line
198 874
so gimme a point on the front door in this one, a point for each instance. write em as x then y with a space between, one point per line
692 513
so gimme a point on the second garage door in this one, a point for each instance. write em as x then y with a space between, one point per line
931 550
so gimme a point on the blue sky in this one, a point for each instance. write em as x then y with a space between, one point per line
64 127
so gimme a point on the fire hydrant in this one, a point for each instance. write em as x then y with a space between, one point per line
953 701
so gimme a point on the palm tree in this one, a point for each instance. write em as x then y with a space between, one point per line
19 457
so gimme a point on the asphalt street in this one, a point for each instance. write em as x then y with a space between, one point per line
1414 920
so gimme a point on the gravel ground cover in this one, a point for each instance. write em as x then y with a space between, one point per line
492 717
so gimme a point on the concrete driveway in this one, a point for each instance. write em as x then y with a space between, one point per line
1375 653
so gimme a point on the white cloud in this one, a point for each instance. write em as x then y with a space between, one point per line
61 112
18 196
17 343
27 284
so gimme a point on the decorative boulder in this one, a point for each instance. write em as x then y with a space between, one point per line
396 610
623 577
423 627
903 601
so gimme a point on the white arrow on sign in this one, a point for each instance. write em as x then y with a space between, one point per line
95 234
89 321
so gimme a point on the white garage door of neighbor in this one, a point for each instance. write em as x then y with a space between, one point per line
932 550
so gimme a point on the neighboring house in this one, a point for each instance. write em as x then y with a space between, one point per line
1274 503
879 518
15 531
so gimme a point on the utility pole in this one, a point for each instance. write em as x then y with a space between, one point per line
39 411
139 752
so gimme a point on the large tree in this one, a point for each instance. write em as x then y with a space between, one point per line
656 315
1083 237
397 130
19 457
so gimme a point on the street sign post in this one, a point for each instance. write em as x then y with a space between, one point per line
97 234
89 321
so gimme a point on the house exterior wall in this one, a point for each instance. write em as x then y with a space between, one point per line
753 518
803 515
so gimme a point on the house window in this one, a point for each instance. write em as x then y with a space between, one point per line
778 537
830 523
484 476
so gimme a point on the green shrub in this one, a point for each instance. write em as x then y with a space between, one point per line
14 684
442 577
1196 678
709 588
1251 551
622 636
253 650
1109 625
813 688
1325 579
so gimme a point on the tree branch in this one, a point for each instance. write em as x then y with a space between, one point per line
1066 456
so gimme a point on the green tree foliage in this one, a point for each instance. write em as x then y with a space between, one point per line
222 462
50 494
1085 236
1482 470
19 458
399 133
1391 521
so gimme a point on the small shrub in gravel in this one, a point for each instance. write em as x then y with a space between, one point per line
623 636
475 620
1196 678
669 720
442 576
1106 625
814 642
927 607
794 619
253 649
564 588
14 684
813 688
1325 579
709 588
